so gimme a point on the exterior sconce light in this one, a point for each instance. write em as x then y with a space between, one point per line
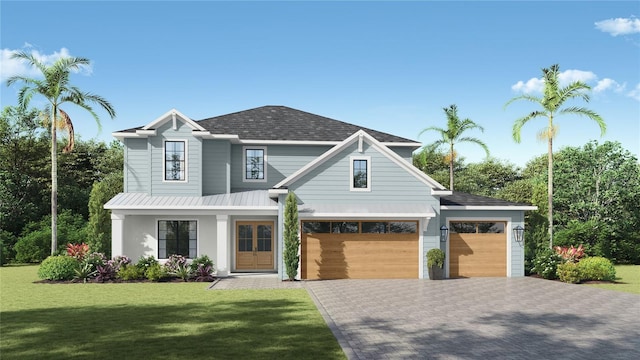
444 233
518 234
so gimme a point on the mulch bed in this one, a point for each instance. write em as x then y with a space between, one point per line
115 281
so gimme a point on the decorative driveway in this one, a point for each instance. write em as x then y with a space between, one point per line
481 318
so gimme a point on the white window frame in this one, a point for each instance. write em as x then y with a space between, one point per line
157 226
186 161
244 163
351 160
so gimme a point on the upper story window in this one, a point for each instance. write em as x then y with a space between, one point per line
255 161
175 161
360 173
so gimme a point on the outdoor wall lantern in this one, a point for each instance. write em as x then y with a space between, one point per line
444 232
518 234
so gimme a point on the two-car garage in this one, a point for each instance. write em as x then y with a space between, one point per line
358 249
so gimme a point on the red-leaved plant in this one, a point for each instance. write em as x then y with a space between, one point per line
570 254
78 251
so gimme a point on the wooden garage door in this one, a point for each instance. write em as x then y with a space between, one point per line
359 250
477 249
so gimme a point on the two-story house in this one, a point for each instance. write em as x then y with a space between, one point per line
217 187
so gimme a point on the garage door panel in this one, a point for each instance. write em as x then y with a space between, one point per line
475 255
359 256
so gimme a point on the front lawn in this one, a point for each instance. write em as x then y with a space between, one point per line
627 279
156 320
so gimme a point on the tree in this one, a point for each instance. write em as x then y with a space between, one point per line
291 239
55 87
552 103
99 227
453 135
487 178
596 200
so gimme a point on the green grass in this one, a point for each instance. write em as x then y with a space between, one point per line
156 320
627 280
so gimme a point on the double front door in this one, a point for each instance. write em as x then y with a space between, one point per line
254 245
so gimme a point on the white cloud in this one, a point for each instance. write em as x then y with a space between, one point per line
536 85
531 86
12 67
635 93
619 26
568 76
608 84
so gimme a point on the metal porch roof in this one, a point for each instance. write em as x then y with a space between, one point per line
249 200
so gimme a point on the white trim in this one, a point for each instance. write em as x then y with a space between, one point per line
488 207
244 163
171 115
273 193
352 159
422 225
360 216
441 192
380 147
157 220
507 232
186 161
201 207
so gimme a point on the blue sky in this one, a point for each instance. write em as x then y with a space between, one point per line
391 66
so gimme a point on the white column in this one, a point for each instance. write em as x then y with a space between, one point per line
223 256
117 234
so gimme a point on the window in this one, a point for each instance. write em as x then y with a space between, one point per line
359 227
360 174
177 237
174 161
477 227
255 159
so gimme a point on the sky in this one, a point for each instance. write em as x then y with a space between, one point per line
390 66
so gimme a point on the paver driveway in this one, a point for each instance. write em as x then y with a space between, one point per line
482 318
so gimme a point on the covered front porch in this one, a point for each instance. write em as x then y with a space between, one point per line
232 229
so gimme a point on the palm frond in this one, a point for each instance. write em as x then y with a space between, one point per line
475 141
526 97
68 125
588 113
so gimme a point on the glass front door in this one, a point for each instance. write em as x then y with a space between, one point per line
254 245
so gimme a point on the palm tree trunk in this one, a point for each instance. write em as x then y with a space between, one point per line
54 182
550 191
451 168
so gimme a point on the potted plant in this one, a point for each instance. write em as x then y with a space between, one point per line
435 263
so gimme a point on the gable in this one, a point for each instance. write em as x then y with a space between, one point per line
359 139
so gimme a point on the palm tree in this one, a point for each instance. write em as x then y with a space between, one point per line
551 104
55 87
453 135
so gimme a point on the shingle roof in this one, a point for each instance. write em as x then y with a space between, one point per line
284 123
463 199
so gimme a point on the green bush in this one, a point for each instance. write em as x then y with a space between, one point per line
58 268
35 243
597 268
203 260
435 257
156 272
546 263
7 240
129 272
568 272
146 262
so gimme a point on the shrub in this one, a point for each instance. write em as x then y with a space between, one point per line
597 268
95 259
203 273
84 272
569 272
201 260
119 261
34 245
78 251
58 268
130 273
570 254
106 272
145 262
546 262
177 265
435 257
7 241
156 272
